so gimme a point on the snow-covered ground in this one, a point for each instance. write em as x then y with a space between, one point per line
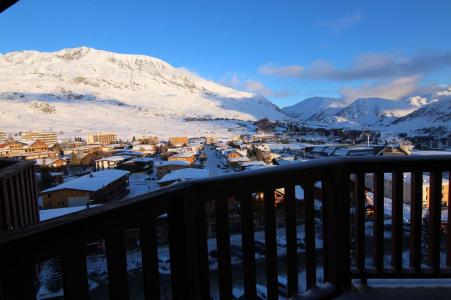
81 90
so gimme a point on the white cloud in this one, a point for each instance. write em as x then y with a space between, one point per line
287 71
394 89
252 86
340 24
376 66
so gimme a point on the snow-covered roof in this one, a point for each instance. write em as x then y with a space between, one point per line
254 163
238 159
46 214
184 174
184 154
172 163
115 158
431 152
128 152
91 182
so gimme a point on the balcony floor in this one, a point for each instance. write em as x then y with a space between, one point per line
411 290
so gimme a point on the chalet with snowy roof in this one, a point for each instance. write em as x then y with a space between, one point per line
182 175
179 141
164 167
51 162
146 149
81 151
96 187
111 162
354 151
189 157
137 164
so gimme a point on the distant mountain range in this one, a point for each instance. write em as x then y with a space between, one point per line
415 114
81 90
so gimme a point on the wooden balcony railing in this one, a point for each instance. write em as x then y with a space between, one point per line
346 252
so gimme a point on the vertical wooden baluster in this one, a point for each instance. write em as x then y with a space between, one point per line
435 202
416 209
149 254
247 234
336 203
117 265
397 220
378 204
223 242
291 237
271 244
4 202
310 255
201 251
75 275
188 248
359 197
12 204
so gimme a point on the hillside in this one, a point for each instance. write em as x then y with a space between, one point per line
81 90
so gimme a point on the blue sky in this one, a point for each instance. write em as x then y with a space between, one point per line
284 50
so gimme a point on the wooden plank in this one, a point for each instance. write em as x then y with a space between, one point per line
271 244
359 198
188 246
149 254
247 236
435 209
117 265
176 244
291 238
416 207
223 243
200 252
75 275
17 191
397 220
30 194
310 252
13 204
378 227
336 204
6 210
23 196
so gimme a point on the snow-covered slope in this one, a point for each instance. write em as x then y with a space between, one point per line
308 108
82 90
373 112
431 117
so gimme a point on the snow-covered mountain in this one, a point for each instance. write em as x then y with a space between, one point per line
435 116
310 107
81 90
373 112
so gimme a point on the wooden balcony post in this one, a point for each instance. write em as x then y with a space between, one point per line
188 247
336 205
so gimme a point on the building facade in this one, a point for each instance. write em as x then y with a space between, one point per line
97 187
102 138
47 137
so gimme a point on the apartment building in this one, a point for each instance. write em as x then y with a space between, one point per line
102 138
47 137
